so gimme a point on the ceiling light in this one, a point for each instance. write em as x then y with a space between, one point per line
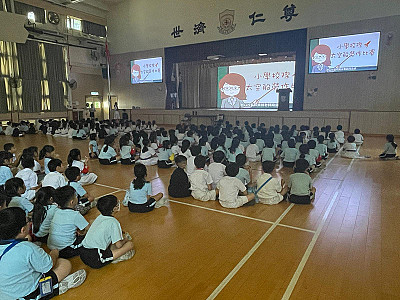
262 54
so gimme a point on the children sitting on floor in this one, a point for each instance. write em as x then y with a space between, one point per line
108 155
389 152
217 169
14 189
359 139
232 192
85 200
74 160
55 178
43 213
29 177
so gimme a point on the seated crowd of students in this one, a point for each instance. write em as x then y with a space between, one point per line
212 163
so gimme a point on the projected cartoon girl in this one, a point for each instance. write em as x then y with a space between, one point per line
232 87
135 73
321 59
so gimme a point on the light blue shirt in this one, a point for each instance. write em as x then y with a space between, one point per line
204 151
81 133
95 146
46 163
21 202
139 196
79 190
322 149
290 154
125 152
232 156
243 176
104 231
228 143
268 154
21 269
5 174
220 148
260 143
164 154
109 154
63 228
45 226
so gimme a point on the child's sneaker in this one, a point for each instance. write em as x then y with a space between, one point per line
93 203
127 236
72 281
126 256
161 202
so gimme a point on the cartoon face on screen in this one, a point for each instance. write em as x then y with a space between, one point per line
135 74
232 87
321 58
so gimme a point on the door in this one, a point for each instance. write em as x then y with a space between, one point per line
97 101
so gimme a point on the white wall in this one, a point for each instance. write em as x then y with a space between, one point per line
137 25
353 90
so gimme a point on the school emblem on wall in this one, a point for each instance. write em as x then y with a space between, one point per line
226 19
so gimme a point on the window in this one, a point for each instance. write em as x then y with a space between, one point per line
31 16
73 23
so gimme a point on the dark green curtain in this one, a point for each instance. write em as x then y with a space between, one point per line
3 96
31 72
56 75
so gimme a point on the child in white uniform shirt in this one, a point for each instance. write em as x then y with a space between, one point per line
74 160
93 147
274 190
201 181
232 192
148 155
5 171
389 151
339 135
359 139
29 177
190 167
55 178
301 190
252 151
216 169
68 226
104 242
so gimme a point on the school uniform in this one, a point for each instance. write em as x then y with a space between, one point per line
138 201
284 145
222 149
232 156
179 185
350 151
5 174
389 151
199 181
147 158
190 166
359 139
289 156
30 180
243 176
217 172
175 149
62 235
44 228
94 152
315 154
163 158
228 143
339 136
268 154
108 157
278 138
270 192
37 167
186 154
54 179
252 151
21 202
204 151
46 163
300 185
309 158
332 146
323 150
229 188
260 143
22 268
95 251
126 156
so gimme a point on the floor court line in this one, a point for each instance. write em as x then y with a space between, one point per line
306 256
107 186
236 269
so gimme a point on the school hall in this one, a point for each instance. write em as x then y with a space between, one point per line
199 150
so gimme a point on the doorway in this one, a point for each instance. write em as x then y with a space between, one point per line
97 101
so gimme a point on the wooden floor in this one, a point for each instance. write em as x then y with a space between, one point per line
344 246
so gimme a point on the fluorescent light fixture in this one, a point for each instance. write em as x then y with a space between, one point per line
262 54
31 16
94 93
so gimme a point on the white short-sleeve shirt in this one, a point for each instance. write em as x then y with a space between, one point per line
199 180
229 188
54 179
217 171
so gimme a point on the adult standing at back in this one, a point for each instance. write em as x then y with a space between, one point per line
116 112
92 110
